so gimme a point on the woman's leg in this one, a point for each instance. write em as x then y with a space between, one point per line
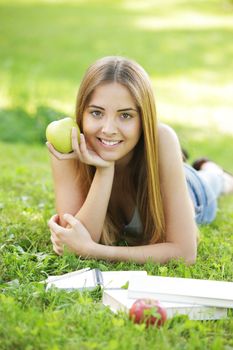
202 196
220 181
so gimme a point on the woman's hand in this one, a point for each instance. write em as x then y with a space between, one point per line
76 238
81 151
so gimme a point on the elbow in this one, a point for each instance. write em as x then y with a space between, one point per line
190 257
188 254
191 260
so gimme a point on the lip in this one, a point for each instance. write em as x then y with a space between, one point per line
108 146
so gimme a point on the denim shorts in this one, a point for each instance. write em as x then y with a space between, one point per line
203 194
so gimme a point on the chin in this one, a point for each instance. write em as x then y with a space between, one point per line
120 160
109 158
108 155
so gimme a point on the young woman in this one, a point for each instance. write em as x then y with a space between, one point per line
125 180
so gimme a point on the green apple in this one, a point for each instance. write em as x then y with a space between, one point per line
58 133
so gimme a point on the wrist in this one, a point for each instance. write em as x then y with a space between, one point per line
106 170
100 251
93 251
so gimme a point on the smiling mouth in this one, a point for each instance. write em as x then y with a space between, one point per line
108 142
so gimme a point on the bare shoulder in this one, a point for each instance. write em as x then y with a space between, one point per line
166 134
169 145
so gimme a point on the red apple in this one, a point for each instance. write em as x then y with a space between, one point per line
149 311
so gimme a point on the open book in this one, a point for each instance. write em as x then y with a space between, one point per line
91 278
118 300
183 290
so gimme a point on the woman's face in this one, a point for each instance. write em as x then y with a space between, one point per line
111 123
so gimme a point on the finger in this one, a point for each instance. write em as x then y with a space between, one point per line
56 241
88 145
54 236
71 220
49 145
58 246
83 148
58 251
74 134
52 149
54 218
75 143
57 229
58 155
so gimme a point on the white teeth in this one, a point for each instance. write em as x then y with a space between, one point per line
109 143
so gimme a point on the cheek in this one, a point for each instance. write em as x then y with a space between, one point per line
88 127
135 132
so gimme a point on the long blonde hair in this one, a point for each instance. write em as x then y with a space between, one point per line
144 166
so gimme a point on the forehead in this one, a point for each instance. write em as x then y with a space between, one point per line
114 94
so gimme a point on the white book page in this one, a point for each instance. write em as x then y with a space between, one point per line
74 281
53 278
85 279
118 279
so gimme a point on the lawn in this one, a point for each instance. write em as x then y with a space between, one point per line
186 47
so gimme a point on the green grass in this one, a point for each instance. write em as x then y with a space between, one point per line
186 46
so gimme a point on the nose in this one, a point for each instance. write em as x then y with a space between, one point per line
109 127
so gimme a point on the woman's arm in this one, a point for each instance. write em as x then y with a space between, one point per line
91 211
180 226
68 197
158 253
79 241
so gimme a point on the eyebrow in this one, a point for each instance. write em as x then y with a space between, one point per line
119 110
